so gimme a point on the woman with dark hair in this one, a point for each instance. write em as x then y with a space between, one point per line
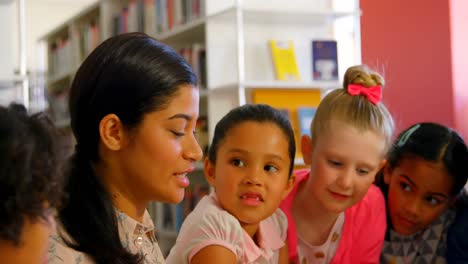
31 185
134 107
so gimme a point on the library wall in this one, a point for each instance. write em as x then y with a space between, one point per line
459 20
409 41
9 39
37 24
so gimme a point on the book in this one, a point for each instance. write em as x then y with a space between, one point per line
284 60
305 115
324 60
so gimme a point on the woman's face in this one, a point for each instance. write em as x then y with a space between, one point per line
162 150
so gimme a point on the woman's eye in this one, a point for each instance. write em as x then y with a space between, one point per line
270 168
405 187
178 134
237 163
433 201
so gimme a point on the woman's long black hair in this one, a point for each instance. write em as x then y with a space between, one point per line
128 75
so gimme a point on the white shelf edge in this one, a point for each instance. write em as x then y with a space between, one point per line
181 29
299 162
316 13
199 165
7 82
62 123
65 24
321 85
313 85
56 78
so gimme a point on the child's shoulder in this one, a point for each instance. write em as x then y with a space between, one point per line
278 219
208 213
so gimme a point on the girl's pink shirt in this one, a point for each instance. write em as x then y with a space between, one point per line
363 231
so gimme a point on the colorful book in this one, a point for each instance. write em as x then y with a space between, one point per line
284 60
324 60
305 116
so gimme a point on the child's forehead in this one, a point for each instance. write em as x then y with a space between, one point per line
428 176
252 125
254 135
341 135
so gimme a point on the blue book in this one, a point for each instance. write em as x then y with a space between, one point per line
324 60
305 116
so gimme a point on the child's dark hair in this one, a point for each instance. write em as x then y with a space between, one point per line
257 113
435 143
30 170
128 75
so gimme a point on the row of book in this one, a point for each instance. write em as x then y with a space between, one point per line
60 57
66 52
201 132
156 16
195 55
174 215
87 38
324 60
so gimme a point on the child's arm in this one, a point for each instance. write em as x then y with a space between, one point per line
214 254
284 254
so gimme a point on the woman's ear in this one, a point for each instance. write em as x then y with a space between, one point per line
111 132
306 149
209 170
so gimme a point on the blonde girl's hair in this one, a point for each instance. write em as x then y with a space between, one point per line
356 110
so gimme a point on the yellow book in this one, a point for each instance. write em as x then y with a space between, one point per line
284 59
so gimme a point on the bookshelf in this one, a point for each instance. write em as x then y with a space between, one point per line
227 43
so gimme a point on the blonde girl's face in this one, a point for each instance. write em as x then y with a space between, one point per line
343 162
414 201
251 174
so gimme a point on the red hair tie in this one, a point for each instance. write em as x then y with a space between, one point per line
373 93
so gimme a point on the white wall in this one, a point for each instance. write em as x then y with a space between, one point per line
8 39
43 16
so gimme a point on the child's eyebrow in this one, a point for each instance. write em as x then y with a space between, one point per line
408 179
243 151
439 194
431 193
234 150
